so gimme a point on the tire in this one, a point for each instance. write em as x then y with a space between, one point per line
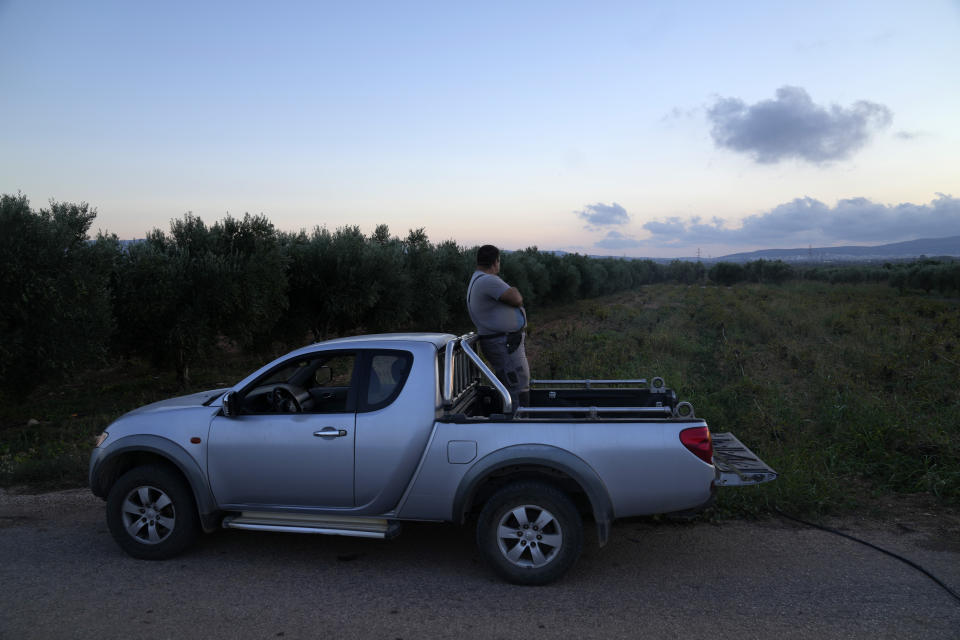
151 513
530 533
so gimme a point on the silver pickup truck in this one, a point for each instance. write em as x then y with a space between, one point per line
356 435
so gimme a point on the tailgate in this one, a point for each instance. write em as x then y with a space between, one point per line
736 465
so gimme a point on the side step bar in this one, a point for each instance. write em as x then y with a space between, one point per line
304 523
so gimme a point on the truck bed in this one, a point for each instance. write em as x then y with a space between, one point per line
471 391
569 400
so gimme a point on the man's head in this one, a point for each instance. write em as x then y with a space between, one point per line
488 256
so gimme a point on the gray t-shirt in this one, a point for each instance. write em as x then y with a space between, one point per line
488 313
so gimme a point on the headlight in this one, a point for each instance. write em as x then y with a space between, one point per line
99 439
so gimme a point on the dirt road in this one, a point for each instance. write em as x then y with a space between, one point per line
62 576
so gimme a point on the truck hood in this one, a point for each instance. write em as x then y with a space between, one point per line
191 400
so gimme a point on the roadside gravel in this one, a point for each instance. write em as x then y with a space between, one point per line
62 576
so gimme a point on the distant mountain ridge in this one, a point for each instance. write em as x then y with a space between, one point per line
949 246
906 250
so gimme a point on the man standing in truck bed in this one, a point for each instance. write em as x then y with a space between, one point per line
497 310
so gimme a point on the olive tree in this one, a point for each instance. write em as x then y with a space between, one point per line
388 285
727 273
180 296
55 313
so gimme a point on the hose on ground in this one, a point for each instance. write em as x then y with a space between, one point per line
916 566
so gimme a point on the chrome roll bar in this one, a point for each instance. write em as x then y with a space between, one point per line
448 373
465 344
454 373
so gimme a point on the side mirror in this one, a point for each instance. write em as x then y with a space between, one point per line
323 375
230 404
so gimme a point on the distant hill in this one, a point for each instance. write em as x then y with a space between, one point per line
908 250
929 247
896 251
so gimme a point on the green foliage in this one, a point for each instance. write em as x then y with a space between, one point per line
849 391
941 275
179 296
456 267
685 272
776 272
765 271
928 275
46 441
564 279
55 313
727 273
342 282
429 304
841 377
846 390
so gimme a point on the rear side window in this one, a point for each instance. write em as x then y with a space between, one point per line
388 372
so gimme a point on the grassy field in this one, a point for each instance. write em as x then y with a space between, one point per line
849 391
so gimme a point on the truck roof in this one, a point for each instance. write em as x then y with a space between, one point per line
439 340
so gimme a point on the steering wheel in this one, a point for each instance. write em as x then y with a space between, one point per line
284 401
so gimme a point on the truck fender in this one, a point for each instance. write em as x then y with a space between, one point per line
542 456
103 459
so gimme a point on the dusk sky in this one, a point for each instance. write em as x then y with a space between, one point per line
608 128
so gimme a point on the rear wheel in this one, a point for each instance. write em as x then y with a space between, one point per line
530 533
151 513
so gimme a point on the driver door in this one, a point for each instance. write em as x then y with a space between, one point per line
283 454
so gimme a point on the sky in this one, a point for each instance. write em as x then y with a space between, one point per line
659 129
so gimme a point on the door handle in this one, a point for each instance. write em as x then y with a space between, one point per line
330 432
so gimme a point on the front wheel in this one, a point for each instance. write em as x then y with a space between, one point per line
530 533
151 513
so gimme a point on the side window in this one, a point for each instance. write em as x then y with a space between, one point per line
320 383
388 371
329 386
284 373
335 371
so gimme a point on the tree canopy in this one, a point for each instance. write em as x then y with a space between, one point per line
68 300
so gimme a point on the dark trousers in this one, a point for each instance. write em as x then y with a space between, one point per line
512 369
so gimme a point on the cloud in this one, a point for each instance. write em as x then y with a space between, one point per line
603 215
908 135
806 221
671 226
792 126
617 240
679 113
